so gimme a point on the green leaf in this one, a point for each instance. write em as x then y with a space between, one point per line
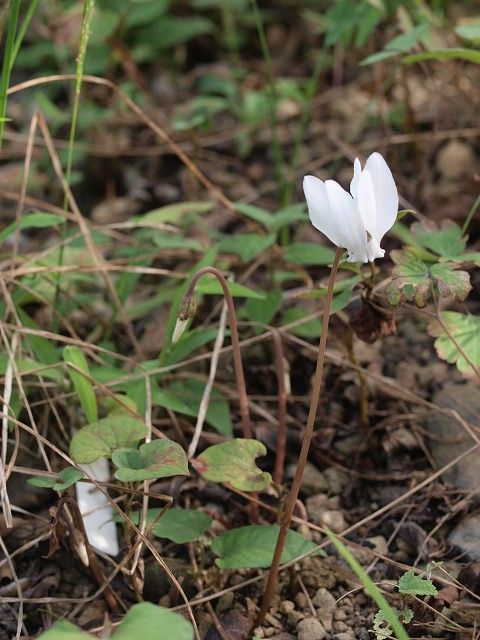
309 253
211 286
190 392
101 438
191 341
150 622
469 30
381 625
307 329
379 56
412 279
465 330
233 463
288 215
171 213
32 221
27 366
458 53
451 282
176 524
65 630
172 31
414 585
472 256
160 458
144 620
258 215
264 310
172 241
66 477
74 356
163 398
399 44
252 546
447 241
44 349
246 245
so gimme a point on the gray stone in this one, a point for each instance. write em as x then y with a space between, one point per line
450 439
311 629
324 603
466 535
314 481
337 480
283 635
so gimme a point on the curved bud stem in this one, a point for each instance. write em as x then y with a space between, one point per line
186 311
302 458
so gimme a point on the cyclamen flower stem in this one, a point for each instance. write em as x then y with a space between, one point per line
302 458
236 351
282 406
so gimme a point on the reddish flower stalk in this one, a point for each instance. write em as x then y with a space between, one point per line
282 406
302 458
187 310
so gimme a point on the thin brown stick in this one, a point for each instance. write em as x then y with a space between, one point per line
236 352
302 458
282 406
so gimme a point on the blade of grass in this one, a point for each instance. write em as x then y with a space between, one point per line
8 58
370 586
88 7
23 30
470 215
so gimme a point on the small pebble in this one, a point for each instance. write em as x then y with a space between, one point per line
311 629
287 607
301 600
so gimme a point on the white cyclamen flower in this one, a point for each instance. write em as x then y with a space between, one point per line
356 222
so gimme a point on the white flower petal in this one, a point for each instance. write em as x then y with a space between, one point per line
385 193
344 217
357 170
96 510
366 202
374 250
320 211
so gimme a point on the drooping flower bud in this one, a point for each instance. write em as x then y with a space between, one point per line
186 311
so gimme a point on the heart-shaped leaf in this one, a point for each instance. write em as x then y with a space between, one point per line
465 331
176 524
150 622
65 630
101 438
66 477
233 462
158 459
144 620
253 546
412 279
